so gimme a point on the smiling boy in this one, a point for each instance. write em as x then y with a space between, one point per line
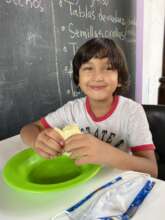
115 130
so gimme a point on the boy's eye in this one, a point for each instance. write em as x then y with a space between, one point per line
109 67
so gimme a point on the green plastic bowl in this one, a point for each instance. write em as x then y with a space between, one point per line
27 171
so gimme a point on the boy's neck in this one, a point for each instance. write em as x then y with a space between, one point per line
100 108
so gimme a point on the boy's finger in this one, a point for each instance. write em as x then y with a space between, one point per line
42 153
47 149
73 142
46 138
74 137
73 146
54 135
51 143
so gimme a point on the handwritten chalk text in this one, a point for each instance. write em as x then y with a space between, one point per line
36 4
101 2
92 32
80 12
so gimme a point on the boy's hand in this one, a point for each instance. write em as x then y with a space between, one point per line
49 143
85 148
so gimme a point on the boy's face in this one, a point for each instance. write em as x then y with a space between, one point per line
98 80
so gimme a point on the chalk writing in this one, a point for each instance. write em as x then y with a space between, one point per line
74 46
92 3
90 32
73 2
80 12
114 19
31 37
100 2
36 40
68 69
36 4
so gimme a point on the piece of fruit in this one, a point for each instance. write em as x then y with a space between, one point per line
68 131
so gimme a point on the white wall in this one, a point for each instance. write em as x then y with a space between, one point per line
153 34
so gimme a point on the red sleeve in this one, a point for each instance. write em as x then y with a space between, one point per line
44 123
142 147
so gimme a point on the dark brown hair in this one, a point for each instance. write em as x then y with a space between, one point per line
101 48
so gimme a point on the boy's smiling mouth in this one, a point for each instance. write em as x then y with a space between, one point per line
97 87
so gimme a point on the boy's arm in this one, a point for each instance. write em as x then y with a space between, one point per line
30 132
85 148
149 156
141 161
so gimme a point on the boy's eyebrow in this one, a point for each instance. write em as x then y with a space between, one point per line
108 63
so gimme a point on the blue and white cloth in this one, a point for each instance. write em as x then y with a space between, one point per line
116 200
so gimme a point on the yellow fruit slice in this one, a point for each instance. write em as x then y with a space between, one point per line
68 131
59 131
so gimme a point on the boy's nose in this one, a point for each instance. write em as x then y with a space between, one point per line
98 75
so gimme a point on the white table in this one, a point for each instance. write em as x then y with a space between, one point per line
15 205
